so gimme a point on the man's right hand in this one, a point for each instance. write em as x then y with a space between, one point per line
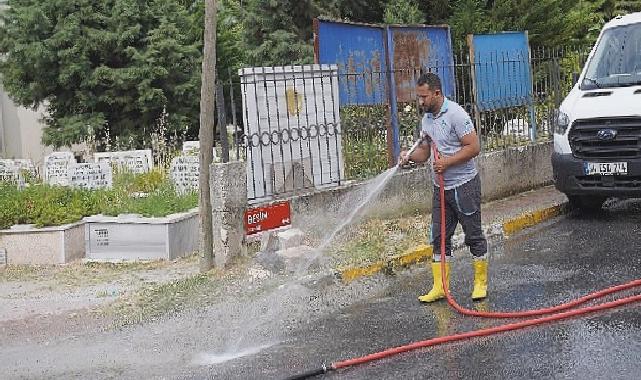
403 158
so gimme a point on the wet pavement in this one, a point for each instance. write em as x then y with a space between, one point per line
553 263
276 329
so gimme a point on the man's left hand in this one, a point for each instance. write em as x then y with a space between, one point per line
441 164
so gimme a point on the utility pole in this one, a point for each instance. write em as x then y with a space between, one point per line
206 135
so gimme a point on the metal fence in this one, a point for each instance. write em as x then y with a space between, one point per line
288 125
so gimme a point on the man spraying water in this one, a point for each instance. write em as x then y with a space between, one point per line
448 126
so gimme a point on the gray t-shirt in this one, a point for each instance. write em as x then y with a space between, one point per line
446 130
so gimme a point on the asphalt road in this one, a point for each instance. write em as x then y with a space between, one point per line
550 264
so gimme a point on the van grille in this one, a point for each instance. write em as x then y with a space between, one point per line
620 181
586 143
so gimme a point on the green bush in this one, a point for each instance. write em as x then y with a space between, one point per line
45 205
139 183
161 202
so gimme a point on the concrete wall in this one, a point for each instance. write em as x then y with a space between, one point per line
515 170
410 191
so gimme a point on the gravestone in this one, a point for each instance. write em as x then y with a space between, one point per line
9 172
56 168
25 165
192 148
136 161
90 176
184 173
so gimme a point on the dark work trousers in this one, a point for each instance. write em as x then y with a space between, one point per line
462 205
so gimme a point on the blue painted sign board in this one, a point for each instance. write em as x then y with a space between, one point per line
502 75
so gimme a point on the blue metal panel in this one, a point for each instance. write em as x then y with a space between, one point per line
359 52
502 76
416 49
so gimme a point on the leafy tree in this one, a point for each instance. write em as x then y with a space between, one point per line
469 16
436 11
230 48
545 20
585 20
368 11
108 66
279 32
627 6
403 12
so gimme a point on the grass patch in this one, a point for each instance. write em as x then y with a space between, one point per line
21 272
81 274
379 239
156 300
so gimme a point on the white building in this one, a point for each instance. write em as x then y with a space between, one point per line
20 131
20 128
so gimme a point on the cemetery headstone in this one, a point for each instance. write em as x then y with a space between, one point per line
56 168
184 173
192 148
9 172
25 165
136 161
90 176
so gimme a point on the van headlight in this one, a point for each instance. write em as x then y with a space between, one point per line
562 123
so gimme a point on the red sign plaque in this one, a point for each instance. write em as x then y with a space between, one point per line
267 218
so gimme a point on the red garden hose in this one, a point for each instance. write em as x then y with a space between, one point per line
556 311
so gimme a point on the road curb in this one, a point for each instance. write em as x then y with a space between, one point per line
423 252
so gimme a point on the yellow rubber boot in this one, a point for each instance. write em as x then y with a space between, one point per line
480 280
437 291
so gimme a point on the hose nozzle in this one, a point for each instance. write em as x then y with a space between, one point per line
412 149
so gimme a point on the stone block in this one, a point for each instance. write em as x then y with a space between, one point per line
290 238
298 258
290 260
43 246
228 237
228 186
269 242
131 237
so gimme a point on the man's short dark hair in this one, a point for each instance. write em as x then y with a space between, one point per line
430 79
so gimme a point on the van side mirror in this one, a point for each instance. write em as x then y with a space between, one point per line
575 78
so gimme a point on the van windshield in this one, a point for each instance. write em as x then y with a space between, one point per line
617 59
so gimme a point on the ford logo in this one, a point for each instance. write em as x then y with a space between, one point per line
606 134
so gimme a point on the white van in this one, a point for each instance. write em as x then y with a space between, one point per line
597 136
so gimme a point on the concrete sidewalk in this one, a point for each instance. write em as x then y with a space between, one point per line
500 218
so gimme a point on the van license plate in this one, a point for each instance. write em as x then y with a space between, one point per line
605 168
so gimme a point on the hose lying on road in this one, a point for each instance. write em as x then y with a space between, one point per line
556 311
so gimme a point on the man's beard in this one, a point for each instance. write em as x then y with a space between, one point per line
425 110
